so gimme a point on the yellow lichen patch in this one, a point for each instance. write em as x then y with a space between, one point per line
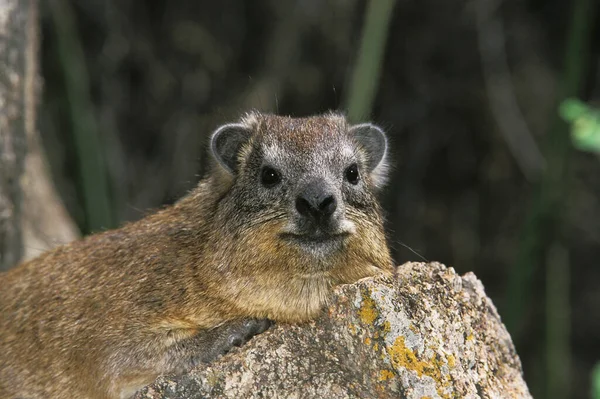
451 360
352 328
385 375
387 327
401 356
367 312
212 379
368 341
470 337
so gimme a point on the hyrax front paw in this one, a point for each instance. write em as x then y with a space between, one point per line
223 338
239 332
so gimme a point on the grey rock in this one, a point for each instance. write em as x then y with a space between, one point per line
425 333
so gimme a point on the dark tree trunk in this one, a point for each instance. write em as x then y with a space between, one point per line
15 21
32 218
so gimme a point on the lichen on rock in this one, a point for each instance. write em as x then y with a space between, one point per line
424 333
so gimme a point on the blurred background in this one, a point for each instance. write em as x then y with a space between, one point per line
485 177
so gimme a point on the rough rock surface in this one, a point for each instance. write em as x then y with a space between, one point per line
427 333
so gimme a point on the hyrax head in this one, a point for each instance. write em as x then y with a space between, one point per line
304 185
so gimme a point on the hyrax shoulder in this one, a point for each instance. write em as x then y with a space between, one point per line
287 211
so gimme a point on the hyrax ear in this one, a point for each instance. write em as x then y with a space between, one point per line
374 142
226 144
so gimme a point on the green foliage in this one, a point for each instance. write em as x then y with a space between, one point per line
369 62
585 124
596 381
543 231
92 170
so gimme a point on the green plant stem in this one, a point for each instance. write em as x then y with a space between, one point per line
558 322
596 381
367 69
93 178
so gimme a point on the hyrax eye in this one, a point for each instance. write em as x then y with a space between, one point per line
352 174
269 177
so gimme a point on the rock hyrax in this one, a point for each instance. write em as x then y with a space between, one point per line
287 211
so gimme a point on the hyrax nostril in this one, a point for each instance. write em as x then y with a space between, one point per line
328 206
303 207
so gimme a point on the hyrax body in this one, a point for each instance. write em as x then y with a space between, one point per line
287 211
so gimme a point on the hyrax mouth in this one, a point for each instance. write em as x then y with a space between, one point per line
314 237
316 242
331 235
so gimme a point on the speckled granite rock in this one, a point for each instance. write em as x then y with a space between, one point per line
427 333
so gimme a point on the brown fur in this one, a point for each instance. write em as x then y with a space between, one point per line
96 318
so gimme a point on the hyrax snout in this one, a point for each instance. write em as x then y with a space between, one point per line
316 204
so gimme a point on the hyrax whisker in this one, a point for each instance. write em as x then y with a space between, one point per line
264 220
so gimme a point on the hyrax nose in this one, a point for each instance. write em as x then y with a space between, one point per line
316 202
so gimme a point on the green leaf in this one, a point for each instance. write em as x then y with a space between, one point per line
571 109
585 124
